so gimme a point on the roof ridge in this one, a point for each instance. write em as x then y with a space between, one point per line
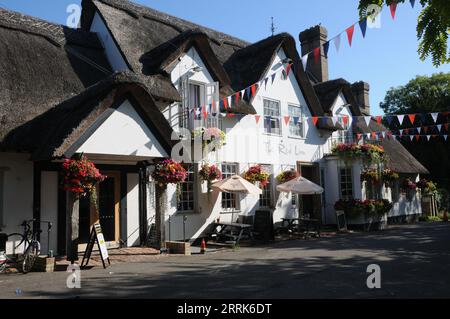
150 13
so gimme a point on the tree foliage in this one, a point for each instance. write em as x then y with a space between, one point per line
433 27
424 95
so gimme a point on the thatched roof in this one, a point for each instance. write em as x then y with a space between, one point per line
158 38
44 64
399 159
329 91
53 133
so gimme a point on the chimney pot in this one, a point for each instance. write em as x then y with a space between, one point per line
310 39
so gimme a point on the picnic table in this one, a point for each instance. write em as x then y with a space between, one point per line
301 225
231 232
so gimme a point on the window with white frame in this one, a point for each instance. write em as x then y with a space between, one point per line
346 182
229 200
272 117
296 121
186 197
265 199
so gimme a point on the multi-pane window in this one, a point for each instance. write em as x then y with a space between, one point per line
346 183
296 121
265 199
229 200
272 117
186 197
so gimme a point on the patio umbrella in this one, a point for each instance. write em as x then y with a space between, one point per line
237 184
300 185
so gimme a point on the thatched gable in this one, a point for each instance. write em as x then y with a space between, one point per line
329 91
53 134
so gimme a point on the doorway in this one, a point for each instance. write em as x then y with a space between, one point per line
310 204
107 214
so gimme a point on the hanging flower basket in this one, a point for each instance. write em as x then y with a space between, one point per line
287 176
426 186
409 185
80 176
169 172
211 136
389 176
256 175
354 208
370 175
209 174
369 153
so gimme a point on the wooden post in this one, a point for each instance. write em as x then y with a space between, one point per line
160 218
72 226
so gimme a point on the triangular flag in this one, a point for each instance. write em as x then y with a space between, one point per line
326 47
257 118
383 134
446 126
229 101
428 137
225 103
411 137
358 136
389 119
445 137
412 2
243 93
296 120
337 42
287 119
231 115
288 69
367 119
273 77
434 116
412 117
401 132
423 118
265 82
378 119
439 127
315 119
204 112
400 119
374 135
349 31
316 52
363 26
248 92
417 137
368 135
304 61
393 8
419 130
253 89
236 98
345 120
334 119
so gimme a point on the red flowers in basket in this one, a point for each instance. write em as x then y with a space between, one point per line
169 172
210 173
80 176
255 174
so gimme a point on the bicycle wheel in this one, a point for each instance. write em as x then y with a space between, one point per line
30 257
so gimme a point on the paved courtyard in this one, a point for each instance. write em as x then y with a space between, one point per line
414 261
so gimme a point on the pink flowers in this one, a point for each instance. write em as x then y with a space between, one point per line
80 176
255 174
210 173
169 172
286 176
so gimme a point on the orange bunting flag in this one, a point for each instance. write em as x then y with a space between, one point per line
287 119
374 135
257 118
288 68
412 117
350 34
204 112
358 136
378 119
345 120
446 126
315 119
316 55
225 103
231 115
238 95
253 89
393 8
417 137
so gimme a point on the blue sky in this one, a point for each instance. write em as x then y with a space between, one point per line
386 58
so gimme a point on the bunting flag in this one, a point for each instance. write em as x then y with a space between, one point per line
334 120
257 119
428 137
412 2
287 119
316 52
434 116
358 136
389 120
315 119
305 61
337 42
349 31
367 119
345 121
378 119
363 26
273 77
412 117
231 115
296 120
445 137
326 47
253 89
439 128
400 119
393 8
265 83
288 70
204 112
237 96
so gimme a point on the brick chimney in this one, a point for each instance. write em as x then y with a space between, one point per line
310 39
361 91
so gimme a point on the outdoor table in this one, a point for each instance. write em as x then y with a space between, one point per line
227 231
297 223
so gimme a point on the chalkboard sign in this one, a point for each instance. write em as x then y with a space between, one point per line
96 236
341 221
263 225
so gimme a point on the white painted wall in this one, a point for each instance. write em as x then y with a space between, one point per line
49 210
132 209
113 54
123 133
18 193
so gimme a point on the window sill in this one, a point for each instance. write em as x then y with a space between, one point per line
230 212
273 134
187 213
296 137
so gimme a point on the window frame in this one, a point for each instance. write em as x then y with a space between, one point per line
349 178
272 118
194 192
300 124
268 189
236 197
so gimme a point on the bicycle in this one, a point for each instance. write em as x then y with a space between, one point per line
32 247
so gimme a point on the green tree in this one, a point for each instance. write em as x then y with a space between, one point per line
424 95
433 27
